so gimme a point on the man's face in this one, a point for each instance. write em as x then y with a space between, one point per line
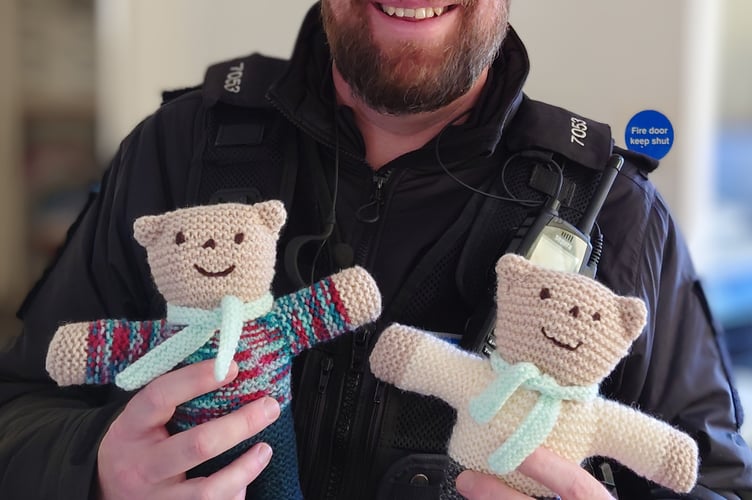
413 56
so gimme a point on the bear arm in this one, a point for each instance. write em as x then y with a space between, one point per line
648 446
94 352
328 308
359 295
417 361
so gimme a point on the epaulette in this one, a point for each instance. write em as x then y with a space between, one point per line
543 127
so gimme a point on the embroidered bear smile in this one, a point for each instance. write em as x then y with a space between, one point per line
559 343
210 274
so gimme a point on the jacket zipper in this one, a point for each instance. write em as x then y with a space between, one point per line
374 429
346 418
378 397
317 414
371 211
371 214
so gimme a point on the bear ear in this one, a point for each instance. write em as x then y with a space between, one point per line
512 268
633 316
272 214
147 229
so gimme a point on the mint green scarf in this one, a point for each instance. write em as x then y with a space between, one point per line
201 324
538 424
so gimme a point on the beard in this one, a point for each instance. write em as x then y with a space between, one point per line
414 77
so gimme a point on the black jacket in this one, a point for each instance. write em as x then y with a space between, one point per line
351 429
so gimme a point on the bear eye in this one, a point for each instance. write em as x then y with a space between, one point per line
239 238
545 293
597 316
179 238
575 311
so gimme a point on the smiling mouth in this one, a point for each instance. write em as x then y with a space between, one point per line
558 343
419 13
218 274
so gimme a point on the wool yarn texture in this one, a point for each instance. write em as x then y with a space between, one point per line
558 335
214 266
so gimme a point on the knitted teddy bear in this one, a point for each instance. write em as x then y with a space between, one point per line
557 336
214 266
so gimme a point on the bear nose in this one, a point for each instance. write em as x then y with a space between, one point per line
209 244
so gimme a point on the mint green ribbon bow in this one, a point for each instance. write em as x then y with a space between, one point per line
200 326
539 423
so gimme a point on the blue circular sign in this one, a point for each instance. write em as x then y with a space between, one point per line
649 132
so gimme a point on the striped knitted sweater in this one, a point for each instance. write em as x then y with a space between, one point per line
264 356
267 346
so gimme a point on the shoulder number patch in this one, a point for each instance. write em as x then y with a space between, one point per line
234 78
578 131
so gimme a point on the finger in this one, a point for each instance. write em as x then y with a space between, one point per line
567 479
155 404
192 447
479 486
228 482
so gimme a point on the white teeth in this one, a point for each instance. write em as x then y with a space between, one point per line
419 13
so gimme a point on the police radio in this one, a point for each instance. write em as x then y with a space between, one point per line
553 243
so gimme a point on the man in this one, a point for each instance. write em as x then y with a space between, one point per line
417 97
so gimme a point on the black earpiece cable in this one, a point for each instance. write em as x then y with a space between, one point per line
549 163
332 218
294 246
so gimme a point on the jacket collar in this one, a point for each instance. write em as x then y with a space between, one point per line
305 94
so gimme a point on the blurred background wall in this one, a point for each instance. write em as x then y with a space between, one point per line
144 47
612 61
79 74
12 263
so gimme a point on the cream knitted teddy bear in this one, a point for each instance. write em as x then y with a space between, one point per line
558 335
214 266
